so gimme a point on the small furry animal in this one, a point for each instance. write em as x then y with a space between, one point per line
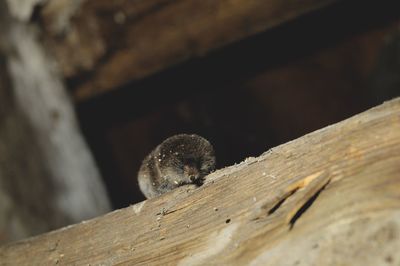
179 160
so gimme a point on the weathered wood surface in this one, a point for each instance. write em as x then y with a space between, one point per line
328 198
120 41
48 178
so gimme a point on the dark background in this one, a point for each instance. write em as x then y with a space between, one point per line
252 95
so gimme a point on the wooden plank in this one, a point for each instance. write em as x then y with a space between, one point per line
328 198
116 42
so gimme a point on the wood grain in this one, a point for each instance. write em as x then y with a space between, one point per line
106 44
328 198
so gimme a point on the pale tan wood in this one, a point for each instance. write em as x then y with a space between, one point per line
255 213
116 42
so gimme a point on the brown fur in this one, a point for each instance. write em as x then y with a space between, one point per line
179 160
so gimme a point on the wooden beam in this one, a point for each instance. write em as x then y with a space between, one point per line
105 44
48 177
328 198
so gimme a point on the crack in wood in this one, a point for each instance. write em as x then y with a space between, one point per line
306 206
277 205
304 184
166 211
